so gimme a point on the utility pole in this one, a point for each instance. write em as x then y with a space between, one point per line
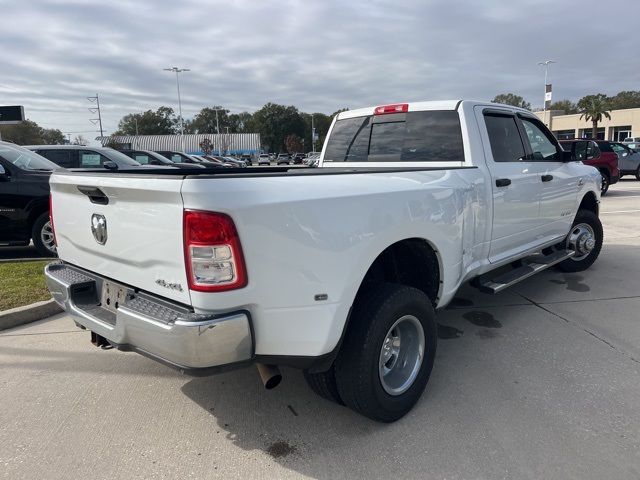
94 110
546 75
178 71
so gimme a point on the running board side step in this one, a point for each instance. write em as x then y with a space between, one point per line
531 267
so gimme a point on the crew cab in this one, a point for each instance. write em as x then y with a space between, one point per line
336 270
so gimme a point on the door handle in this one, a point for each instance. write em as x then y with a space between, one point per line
503 182
547 178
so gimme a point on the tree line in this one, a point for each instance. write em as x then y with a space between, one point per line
281 127
30 133
593 108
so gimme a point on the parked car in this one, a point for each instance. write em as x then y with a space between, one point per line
80 156
264 159
247 158
339 272
633 143
234 162
217 160
148 157
628 160
283 159
312 159
598 154
24 198
183 158
298 158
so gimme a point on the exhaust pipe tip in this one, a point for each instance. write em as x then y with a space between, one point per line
270 375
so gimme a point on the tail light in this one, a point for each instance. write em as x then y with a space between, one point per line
212 252
395 108
53 230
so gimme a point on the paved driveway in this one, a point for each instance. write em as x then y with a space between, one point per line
542 381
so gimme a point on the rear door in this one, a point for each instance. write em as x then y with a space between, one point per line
515 184
559 179
143 215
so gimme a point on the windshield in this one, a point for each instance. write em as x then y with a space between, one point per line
119 157
25 159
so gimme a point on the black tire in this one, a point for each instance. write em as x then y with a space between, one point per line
38 231
638 173
584 217
357 366
324 384
606 181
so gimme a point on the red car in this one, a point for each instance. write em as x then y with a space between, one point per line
598 154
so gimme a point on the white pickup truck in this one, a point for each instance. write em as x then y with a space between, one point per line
336 270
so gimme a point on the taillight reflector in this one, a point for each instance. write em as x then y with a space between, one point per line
394 108
212 252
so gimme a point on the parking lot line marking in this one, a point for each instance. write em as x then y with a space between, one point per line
621 211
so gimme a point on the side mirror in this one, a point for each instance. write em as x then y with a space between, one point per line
109 165
567 156
3 172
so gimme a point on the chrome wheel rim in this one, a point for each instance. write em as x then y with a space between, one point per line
401 355
47 238
582 240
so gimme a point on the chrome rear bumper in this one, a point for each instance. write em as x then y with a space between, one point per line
160 329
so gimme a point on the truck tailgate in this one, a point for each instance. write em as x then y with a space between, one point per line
143 247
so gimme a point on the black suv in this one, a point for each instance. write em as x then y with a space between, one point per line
77 156
24 198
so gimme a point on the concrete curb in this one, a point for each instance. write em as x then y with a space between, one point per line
28 313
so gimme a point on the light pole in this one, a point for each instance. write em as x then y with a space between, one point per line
313 136
546 74
218 129
178 71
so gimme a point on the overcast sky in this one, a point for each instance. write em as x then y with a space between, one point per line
316 55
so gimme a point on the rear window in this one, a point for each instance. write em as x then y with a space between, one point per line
431 136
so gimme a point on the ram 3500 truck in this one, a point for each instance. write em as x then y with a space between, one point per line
336 270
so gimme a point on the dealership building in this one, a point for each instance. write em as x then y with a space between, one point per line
623 123
227 143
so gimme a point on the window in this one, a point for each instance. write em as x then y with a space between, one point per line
620 149
89 159
349 140
565 134
175 158
63 158
592 150
386 141
504 137
542 147
429 136
580 151
142 158
25 159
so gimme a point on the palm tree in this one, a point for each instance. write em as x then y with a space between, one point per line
592 109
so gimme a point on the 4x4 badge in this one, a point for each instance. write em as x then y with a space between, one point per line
99 228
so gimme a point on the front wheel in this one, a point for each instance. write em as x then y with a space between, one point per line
585 239
604 186
42 236
388 353
638 173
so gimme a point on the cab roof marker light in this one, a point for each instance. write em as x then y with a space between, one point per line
393 108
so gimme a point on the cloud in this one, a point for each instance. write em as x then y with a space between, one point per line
319 56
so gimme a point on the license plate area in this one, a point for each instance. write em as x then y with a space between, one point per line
113 295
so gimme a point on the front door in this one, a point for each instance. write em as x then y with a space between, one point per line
559 179
515 184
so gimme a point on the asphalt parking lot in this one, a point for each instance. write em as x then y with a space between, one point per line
542 381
